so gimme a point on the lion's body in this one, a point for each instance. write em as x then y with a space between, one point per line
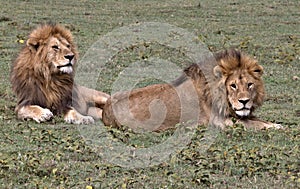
161 109
234 89
155 107
31 87
42 77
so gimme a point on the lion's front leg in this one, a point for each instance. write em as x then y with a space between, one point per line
72 116
259 124
34 112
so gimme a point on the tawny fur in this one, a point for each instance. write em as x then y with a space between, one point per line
233 85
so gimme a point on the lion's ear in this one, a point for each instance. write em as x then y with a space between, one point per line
33 44
218 72
258 71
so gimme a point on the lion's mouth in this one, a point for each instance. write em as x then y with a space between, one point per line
67 68
243 112
66 65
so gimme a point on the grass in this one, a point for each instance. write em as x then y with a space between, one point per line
57 155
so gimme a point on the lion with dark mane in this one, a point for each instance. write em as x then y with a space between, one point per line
231 87
42 78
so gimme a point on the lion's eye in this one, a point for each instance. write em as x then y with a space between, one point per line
250 85
233 86
68 46
55 47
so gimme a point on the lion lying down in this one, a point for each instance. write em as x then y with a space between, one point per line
42 78
234 90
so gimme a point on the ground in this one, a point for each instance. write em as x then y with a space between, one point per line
56 155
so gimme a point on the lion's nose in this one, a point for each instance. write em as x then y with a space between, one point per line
69 57
244 101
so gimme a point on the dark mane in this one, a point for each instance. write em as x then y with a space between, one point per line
228 54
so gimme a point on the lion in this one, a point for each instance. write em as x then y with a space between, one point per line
42 78
225 91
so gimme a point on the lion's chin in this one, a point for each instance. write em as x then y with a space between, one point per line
243 112
66 69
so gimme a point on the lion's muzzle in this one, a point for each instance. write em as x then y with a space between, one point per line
66 65
242 107
244 112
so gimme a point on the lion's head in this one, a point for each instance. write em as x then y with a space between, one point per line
239 83
53 45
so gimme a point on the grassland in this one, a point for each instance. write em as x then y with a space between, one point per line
55 155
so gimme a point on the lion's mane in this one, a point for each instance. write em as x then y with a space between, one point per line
32 77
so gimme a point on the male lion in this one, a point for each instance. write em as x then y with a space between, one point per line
42 78
231 87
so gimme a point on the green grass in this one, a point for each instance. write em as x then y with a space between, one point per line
55 155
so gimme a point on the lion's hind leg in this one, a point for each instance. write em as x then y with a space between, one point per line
95 112
34 112
92 96
90 101
72 116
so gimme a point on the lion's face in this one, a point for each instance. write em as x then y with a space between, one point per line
241 76
241 93
60 55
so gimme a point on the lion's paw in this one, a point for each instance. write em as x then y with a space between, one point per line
273 126
74 117
86 120
82 120
44 115
277 126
